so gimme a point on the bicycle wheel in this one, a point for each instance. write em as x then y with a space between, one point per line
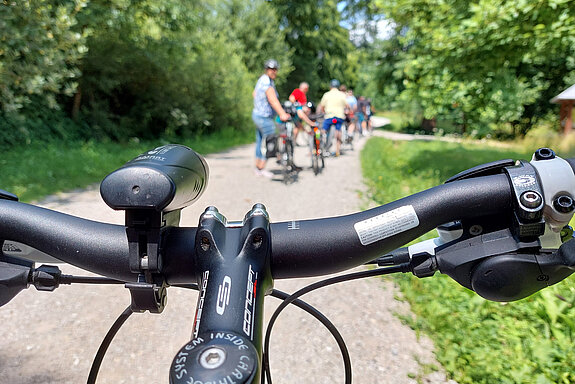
288 166
317 157
315 163
324 144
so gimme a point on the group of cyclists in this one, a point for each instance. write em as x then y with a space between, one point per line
339 114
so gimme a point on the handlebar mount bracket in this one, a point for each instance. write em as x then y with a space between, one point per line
152 189
144 229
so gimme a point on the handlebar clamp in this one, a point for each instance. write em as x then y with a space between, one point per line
148 296
528 201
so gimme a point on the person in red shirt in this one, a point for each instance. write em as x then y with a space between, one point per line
299 95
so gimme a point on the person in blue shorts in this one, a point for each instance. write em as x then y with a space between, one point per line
266 105
333 104
361 115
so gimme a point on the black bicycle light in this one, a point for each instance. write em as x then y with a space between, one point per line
164 179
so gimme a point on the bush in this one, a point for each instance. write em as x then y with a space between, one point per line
38 125
164 87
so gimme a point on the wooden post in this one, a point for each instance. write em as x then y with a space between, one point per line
566 116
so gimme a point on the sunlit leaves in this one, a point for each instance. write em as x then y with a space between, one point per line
320 44
492 59
40 47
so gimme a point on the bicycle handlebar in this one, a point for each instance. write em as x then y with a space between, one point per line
368 234
509 217
96 247
300 248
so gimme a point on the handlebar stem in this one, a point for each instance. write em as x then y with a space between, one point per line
233 274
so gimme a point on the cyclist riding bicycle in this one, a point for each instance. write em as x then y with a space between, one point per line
298 95
298 114
333 104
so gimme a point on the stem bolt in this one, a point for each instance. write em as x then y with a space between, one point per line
563 204
212 358
530 199
257 241
205 243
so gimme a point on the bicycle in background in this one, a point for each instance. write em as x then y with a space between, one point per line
317 139
317 145
286 144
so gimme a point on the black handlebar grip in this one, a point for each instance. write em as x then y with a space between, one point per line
164 179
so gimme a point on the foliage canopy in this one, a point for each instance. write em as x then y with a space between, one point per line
115 69
483 64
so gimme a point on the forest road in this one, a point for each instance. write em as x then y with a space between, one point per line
51 338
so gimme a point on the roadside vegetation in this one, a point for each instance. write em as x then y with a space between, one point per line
35 171
120 69
477 341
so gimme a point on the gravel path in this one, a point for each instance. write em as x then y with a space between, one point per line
52 337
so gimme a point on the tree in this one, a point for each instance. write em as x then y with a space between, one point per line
40 48
320 44
161 68
488 63
380 76
254 27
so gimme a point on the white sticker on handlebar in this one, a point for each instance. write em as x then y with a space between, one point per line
387 224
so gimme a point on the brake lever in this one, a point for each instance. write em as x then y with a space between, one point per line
511 277
499 267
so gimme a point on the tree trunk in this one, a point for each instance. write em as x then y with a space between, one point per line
77 103
429 125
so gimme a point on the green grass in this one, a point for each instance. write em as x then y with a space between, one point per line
399 121
38 170
394 169
477 341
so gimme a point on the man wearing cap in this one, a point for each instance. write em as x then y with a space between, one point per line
266 105
333 104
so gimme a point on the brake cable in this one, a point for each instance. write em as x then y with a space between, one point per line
320 284
286 300
322 319
275 293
